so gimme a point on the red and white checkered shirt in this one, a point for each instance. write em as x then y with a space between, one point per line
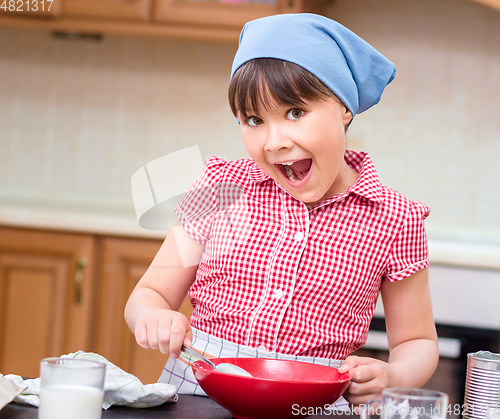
295 280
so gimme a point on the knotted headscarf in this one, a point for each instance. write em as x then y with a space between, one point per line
350 67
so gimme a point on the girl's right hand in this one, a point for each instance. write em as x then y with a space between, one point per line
165 330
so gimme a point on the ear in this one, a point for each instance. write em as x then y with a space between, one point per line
346 116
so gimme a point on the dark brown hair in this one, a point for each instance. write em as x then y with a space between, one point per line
265 82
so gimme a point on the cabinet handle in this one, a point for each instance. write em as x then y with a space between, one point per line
80 271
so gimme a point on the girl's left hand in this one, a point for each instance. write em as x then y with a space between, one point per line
369 377
411 338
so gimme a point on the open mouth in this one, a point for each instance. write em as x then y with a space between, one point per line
295 171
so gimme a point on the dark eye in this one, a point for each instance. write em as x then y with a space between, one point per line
295 113
254 121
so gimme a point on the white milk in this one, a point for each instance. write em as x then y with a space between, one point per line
66 401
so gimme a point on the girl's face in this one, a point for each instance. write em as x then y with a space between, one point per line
302 148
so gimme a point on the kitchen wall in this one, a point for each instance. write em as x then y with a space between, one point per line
78 117
435 135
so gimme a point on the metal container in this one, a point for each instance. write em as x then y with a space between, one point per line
482 387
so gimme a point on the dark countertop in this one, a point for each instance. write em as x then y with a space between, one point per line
186 407
196 407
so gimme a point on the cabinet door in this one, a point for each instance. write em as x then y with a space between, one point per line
30 8
228 13
123 263
46 297
114 9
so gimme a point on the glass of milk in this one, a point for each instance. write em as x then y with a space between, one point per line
71 388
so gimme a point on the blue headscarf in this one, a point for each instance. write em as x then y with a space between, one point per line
351 68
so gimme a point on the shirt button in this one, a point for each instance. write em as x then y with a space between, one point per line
278 293
298 236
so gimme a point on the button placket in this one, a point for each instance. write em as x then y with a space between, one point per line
282 273
299 236
264 302
298 248
300 244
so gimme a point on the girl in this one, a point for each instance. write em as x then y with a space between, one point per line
293 265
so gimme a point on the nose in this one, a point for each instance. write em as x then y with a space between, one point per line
277 139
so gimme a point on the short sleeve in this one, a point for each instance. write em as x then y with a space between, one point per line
410 251
198 206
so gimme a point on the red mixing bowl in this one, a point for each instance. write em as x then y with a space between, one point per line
278 389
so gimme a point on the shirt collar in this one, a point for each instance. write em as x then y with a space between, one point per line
257 174
367 184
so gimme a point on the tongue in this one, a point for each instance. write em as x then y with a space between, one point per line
301 166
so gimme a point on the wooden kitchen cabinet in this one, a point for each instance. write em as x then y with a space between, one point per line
46 297
114 9
123 262
30 8
207 20
64 292
215 12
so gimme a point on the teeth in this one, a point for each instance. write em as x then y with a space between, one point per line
290 174
288 163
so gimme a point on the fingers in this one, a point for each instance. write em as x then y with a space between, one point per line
360 393
353 361
146 335
165 331
361 399
177 335
369 377
141 335
163 335
365 373
188 340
